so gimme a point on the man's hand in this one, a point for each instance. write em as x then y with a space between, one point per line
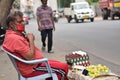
30 37
39 29
54 28
31 53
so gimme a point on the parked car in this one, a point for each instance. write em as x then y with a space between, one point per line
25 18
79 11
61 12
56 15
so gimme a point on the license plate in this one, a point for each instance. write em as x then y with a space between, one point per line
85 16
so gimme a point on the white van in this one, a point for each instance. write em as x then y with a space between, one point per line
79 11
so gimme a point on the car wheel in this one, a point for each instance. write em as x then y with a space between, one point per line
69 19
92 19
76 20
82 20
112 16
104 15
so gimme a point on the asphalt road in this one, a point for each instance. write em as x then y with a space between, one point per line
100 38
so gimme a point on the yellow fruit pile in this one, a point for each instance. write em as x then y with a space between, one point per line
95 70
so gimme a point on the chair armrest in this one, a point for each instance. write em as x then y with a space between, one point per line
35 61
25 61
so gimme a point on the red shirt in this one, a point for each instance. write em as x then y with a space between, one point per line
17 44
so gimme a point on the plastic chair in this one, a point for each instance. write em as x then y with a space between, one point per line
39 77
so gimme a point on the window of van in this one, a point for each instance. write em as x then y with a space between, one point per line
81 6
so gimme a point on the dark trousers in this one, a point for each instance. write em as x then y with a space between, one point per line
44 34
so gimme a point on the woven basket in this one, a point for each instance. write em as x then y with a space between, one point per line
107 77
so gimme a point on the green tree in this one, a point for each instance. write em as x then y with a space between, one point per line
89 1
16 4
67 3
5 6
64 3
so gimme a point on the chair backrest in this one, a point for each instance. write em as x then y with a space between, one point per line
13 57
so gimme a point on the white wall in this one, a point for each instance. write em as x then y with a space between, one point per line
52 4
22 5
36 4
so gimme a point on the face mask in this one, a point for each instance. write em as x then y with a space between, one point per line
20 27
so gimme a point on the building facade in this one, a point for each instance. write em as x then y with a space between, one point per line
31 5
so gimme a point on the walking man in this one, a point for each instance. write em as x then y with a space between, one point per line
46 25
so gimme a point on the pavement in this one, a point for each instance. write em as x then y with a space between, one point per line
8 72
